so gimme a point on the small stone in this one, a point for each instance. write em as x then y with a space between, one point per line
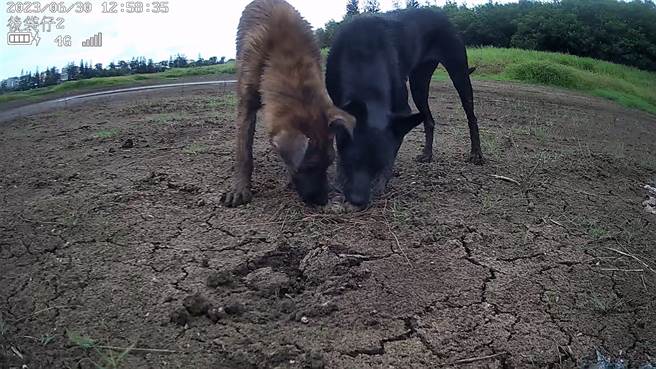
196 305
305 320
218 279
128 144
180 317
215 314
201 203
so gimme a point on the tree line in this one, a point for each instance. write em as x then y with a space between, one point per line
84 70
617 31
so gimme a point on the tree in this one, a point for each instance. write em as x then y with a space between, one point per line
179 62
25 82
352 8
73 72
326 35
372 6
124 68
412 4
52 77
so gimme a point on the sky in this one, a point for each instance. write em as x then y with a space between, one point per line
190 28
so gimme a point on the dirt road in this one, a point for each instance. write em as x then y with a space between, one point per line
110 220
129 93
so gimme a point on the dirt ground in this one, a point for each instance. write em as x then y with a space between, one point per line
110 223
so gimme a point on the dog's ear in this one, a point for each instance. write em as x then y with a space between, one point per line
402 125
341 121
291 145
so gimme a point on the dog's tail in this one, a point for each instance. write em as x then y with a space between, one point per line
472 70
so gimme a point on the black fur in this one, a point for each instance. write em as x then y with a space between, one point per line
370 61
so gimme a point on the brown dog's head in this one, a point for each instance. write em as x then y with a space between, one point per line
307 150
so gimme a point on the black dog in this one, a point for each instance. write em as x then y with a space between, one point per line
370 61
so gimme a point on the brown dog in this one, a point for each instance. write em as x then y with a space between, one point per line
279 70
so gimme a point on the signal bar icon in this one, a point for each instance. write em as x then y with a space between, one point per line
93 41
19 38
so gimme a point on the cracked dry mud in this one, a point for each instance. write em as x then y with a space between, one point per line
106 240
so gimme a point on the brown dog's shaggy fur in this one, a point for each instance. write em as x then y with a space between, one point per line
279 70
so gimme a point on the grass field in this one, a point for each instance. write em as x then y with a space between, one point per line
627 86
121 81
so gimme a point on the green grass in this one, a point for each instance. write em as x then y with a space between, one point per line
166 118
107 358
4 327
104 134
121 81
223 101
627 86
196 149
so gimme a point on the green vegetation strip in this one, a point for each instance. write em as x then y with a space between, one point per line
628 86
121 81
625 85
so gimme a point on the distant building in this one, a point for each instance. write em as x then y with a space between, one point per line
64 74
12 83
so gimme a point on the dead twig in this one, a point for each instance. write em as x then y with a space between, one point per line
45 310
632 257
396 238
136 349
398 243
41 221
507 179
622 270
476 359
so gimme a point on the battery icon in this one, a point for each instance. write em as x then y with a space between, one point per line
19 38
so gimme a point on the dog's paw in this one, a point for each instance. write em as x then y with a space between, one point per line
424 158
237 197
476 158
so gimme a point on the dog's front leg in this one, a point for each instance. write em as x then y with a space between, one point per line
243 171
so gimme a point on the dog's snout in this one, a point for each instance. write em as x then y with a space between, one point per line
357 199
319 198
312 187
359 191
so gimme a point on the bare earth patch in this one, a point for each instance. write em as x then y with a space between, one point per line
112 242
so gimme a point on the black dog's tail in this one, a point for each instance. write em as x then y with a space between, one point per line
472 70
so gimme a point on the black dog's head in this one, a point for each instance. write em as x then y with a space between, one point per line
367 151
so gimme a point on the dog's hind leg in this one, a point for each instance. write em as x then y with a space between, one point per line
459 73
249 103
420 79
